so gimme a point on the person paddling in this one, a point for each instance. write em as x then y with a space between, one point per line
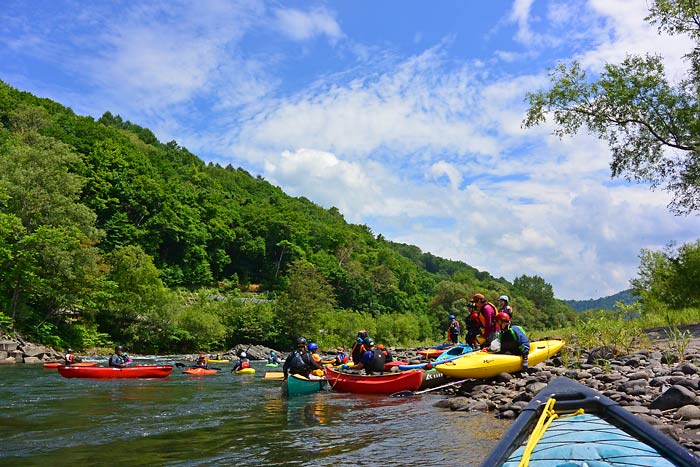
372 360
242 363
201 362
300 361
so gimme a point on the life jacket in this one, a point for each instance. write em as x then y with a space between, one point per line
245 364
341 358
473 322
69 358
454 327
298 364
507 310
377 362
482 319
358 350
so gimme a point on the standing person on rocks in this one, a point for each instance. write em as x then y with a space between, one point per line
487 315
453 330
503 306
512 339
118 359
300 361
473 326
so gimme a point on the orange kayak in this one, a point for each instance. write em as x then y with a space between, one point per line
56 364
198 371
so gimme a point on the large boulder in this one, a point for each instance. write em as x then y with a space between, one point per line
675 397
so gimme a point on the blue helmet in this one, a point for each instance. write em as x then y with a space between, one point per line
452 316
272 353
368 342
313 346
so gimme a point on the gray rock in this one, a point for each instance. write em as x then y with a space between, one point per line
688 412
688 368
32 360
534 388
676 396
637 409
507 415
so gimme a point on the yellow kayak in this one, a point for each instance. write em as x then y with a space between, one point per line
211 360
245 371
487 364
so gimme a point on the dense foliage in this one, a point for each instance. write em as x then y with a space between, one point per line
108 235
651 122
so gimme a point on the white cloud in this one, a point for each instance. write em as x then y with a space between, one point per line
303 25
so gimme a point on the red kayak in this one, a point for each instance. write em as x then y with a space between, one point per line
57 364
199 371
388 383
105 372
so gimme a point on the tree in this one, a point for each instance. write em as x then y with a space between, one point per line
307 298
651 125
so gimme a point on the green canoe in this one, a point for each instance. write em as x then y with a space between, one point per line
297 384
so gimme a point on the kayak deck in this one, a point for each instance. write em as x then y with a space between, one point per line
102 372
586 428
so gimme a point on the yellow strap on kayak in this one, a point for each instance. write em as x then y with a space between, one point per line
546 419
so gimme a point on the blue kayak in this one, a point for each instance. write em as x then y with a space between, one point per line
455 352
568 424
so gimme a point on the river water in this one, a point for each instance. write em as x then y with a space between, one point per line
225 420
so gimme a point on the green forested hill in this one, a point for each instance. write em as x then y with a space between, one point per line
108 235
603 303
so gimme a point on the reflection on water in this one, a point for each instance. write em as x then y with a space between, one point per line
226 419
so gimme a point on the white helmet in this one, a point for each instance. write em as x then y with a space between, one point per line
504 298
243 355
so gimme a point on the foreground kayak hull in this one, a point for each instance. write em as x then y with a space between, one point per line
297 385
605 434
57 364
103 372
388 383
199 371
487 365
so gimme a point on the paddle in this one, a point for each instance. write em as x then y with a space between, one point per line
412 393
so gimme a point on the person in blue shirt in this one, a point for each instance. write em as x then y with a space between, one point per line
242 363
453 330
272 359
372 360
512 339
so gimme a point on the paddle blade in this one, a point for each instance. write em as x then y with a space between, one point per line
180 365
274 375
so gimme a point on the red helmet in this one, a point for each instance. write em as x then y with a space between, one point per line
503 317
202 356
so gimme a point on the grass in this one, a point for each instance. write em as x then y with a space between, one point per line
622 332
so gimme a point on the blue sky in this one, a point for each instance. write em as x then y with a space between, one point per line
405 115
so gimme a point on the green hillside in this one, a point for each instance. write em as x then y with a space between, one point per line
603 303
109 235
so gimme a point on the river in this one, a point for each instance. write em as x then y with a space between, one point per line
225 420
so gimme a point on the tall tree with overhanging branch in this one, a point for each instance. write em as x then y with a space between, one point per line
652 125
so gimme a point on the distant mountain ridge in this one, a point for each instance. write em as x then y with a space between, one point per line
603 303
